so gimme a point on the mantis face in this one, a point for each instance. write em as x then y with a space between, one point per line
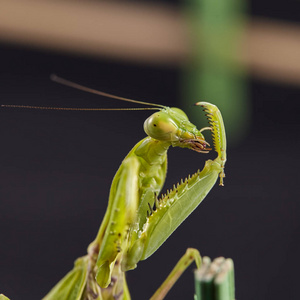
172 125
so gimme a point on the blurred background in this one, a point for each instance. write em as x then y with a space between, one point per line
56 167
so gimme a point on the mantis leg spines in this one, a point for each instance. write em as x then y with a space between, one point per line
178 203
218 133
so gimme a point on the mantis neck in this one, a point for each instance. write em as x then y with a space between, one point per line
152 155
151 151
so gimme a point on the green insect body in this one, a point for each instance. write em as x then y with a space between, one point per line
137 223
137 220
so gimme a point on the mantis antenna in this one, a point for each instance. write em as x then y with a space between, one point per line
77 86
74 108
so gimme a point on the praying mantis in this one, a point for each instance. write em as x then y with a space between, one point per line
138 220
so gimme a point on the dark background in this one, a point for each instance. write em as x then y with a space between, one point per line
56 169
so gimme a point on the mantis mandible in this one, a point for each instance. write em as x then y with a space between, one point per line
137 220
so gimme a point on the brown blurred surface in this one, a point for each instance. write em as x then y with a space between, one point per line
148 33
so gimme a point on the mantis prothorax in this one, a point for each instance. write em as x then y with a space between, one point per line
137 220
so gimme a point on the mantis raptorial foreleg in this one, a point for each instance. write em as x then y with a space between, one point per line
123 205
138 221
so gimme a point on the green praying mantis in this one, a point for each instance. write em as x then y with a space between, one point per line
138 219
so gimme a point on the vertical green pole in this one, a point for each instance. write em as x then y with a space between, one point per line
212 73
199 288
215 280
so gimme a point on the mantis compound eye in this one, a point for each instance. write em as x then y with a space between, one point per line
161 126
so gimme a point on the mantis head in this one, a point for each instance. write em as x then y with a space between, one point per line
172 125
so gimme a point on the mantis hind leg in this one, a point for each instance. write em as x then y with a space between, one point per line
184 262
